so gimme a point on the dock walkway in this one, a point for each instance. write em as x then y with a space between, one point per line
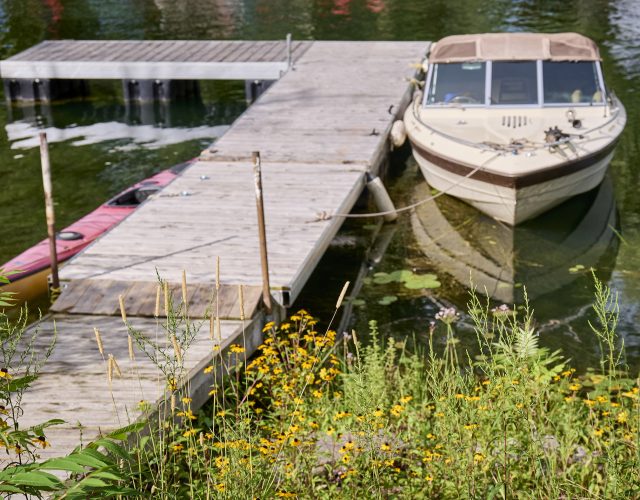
320 130
153 60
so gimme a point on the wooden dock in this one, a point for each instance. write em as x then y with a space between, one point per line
321 129
153 60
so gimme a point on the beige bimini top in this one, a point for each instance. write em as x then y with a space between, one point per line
514 47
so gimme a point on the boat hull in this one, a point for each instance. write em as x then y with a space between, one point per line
512 204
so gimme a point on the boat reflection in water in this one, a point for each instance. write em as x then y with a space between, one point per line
541 255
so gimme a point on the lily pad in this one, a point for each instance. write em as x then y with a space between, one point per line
382 278
576 269
420 281
387 299
358 302
401 275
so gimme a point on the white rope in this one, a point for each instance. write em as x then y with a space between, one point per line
324 215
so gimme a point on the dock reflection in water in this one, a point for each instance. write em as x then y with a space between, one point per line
542 255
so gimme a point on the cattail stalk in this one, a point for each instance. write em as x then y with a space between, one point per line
99 342
122 310
176 348
132 355
158 293
110 368
241 295
342 294
166 299
184 291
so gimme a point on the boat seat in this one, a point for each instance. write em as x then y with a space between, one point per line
515 91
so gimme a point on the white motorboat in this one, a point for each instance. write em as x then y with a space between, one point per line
514 123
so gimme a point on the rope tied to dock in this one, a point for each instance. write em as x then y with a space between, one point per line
325 215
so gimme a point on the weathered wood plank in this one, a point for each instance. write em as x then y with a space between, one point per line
101 297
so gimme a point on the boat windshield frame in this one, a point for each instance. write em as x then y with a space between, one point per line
540 89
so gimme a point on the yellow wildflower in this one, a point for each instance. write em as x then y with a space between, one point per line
396 410
208 369
622 417
268 326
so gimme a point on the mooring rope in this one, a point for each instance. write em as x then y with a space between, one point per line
324 215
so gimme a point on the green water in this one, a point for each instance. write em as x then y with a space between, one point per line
99 146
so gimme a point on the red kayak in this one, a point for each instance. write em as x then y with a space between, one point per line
32 267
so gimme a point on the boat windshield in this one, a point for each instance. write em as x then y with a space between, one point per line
571 82
457 83
514 83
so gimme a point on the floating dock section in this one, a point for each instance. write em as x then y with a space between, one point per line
320 129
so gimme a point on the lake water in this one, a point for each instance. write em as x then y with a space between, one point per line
99 146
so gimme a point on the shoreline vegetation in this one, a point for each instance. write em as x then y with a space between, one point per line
320 414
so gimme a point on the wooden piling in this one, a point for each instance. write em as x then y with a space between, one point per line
264 261
48 201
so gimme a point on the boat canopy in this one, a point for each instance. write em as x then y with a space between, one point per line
514 47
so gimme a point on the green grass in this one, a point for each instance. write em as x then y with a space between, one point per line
316 415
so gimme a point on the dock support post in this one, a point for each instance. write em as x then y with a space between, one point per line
255 88
264 261
159 90
138 90
289 55
48 200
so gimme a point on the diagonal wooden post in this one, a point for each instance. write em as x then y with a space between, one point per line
264 261
48 202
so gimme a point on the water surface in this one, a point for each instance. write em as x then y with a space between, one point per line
100 146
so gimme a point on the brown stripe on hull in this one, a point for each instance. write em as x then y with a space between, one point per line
515 181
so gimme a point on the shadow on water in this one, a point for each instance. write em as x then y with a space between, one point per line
551 257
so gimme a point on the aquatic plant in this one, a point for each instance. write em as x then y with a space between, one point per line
315 413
